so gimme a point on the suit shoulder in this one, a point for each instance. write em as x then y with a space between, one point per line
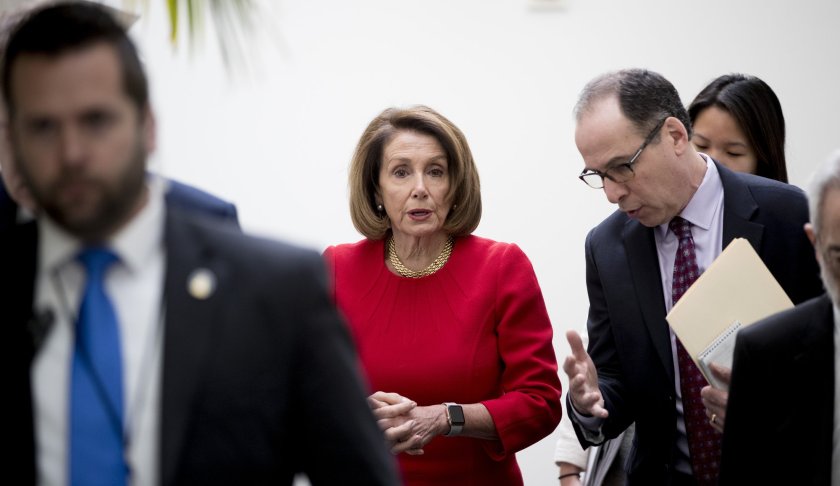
352 249
778 330
609 230
772 191
192 198
476 250
781 207
355 256
479 244
487 259
182 191
228 242
614 223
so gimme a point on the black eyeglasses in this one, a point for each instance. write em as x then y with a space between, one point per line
619 173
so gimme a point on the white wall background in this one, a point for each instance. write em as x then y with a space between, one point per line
277 139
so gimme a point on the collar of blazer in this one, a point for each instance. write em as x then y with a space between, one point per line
739 208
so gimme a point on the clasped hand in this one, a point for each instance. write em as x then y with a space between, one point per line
407 426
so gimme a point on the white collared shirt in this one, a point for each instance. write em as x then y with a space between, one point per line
135 286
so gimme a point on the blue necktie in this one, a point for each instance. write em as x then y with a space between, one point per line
96 400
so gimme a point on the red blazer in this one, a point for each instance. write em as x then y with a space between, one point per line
475 331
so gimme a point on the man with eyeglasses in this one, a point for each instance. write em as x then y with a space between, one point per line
677 210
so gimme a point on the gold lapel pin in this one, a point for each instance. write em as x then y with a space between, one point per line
201 284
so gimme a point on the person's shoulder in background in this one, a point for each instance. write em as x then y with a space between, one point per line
180 195
191 198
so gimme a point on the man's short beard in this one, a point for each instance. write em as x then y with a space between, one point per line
114 209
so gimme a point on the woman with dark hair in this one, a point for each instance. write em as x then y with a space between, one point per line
451 327
738 121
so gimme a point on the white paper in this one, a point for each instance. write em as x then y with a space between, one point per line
720 352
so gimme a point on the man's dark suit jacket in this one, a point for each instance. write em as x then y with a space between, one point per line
780 418
259 381
177 193
629 340
8 209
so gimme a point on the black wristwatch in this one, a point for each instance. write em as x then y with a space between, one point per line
455 417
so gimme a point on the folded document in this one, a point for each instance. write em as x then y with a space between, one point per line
735 291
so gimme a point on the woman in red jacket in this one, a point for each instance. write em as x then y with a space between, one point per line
450 327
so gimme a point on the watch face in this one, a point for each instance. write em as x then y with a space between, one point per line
456 414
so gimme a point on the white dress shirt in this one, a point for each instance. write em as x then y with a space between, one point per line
135 286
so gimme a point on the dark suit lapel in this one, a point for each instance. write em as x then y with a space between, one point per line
17 286
739 207
187 335
644 270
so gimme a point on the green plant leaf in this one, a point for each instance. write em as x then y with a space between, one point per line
172 7
232 19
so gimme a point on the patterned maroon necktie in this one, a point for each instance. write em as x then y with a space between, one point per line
703 440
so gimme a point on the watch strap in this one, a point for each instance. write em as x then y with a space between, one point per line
456 425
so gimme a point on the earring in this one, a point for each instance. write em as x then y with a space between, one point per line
454 207
380 208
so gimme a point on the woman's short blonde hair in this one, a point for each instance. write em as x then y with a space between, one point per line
464 188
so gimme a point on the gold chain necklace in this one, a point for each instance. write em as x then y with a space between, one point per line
404 271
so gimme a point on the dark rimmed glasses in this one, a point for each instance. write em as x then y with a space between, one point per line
620 173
